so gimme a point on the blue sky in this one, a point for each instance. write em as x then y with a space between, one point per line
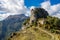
29 3
15 7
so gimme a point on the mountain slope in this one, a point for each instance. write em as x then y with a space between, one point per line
31 33
38 27
36 32
11 24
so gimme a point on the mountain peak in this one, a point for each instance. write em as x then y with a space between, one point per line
37 13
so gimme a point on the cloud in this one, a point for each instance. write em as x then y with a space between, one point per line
12 7
53 10
32 7
29 10
15 7
46 5
3 16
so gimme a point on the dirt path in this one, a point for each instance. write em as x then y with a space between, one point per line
53 38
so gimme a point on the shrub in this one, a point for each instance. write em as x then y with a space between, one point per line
52 23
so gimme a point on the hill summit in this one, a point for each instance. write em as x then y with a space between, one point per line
40 26
37 13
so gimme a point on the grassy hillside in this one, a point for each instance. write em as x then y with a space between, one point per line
31 33
49 30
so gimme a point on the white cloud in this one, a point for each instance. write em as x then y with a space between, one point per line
32 7
3 16
28 12
46 5
53 10
12 7
57 14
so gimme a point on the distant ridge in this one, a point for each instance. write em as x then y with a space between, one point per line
11 24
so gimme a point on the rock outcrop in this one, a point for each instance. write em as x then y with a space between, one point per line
37 13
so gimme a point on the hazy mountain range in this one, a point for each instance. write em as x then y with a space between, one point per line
11 24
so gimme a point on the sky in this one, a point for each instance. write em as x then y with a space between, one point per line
15 7
29 3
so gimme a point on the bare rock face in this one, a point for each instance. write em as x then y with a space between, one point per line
37 13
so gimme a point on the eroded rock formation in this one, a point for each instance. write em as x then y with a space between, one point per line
37 13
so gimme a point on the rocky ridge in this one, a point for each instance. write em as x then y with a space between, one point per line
40 26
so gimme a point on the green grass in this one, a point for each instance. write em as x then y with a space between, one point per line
31 33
